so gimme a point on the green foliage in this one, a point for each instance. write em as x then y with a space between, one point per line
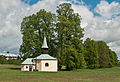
113 58
10 61
103 52
69 36
107 57
64 35
3 60
70 57
91 54
15 62
33 29
82 62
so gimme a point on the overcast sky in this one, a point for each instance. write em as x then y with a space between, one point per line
100 19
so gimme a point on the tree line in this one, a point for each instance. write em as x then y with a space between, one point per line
64 35
17 61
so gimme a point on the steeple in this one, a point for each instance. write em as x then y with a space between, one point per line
44 43
44 46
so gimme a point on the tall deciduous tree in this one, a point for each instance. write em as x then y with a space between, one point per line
33 29
69 35
107 57
103 52
91 55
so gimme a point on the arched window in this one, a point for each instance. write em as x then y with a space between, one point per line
46 65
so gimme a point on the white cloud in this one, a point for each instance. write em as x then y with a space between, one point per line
9 33
11 15
84 12
108 10
104 27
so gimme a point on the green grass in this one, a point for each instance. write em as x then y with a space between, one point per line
12 73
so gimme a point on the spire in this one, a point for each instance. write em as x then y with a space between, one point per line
44 43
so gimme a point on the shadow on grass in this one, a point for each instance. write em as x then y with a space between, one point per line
63 70
14 68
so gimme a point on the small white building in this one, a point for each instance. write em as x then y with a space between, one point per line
28 65
43 63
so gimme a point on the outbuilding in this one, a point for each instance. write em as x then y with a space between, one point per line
28 65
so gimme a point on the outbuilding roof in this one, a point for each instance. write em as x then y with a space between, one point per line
28 61
45 56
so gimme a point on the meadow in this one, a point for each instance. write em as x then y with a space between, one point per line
12 73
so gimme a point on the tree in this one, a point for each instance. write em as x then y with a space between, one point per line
70 56
91 54
8 52
103 53
82 62
3 60
113 58
33 28
69 35
107 57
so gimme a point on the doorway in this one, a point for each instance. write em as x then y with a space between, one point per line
30 68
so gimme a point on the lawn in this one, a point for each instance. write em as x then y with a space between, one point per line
12 73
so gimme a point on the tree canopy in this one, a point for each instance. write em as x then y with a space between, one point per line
91 54
69 35
33 29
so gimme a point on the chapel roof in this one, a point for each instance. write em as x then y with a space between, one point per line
45 57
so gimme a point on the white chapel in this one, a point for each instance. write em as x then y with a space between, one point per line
43 63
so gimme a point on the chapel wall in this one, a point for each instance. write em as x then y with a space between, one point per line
52 65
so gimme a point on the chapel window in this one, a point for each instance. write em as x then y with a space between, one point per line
46 65
26 67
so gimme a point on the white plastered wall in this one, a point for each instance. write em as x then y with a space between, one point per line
52 65
23 67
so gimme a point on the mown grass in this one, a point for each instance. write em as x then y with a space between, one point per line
12 73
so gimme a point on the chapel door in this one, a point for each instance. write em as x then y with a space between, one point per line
30 68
